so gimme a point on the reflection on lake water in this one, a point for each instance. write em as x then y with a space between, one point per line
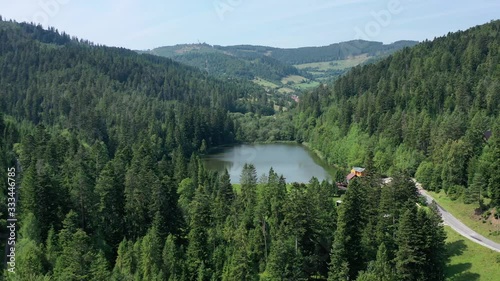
294 161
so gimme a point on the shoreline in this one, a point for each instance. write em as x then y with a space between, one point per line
332 169
322 156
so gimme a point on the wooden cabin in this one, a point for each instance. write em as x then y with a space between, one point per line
359 172
355 172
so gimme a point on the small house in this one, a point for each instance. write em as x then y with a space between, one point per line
355 172
359 172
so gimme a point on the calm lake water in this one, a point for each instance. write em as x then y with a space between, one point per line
293 161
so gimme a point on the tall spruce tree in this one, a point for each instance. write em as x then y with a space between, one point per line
347 252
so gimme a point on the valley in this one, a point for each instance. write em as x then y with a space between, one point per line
207 162
286 71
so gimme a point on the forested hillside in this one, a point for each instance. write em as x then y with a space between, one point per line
218 63
98 132
108 141
337 51
424 111
275 64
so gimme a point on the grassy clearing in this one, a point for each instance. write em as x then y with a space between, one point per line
334 65
265 83
466 214
286 91
307 86
470 261
296 79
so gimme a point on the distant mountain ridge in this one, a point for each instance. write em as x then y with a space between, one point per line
336 51
275 66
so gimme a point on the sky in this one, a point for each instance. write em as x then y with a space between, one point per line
148 24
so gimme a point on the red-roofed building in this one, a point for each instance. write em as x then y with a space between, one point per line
355 172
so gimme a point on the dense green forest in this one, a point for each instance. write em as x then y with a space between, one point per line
331 52
31 54
222 64
113 187
424 111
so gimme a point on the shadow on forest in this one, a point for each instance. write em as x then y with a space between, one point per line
459 272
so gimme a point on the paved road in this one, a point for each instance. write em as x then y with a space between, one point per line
459 227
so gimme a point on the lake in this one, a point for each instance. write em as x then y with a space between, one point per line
295 162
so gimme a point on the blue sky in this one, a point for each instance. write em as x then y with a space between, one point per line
147 24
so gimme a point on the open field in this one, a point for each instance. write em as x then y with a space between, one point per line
307 86
286 90
295 79
299 82
334 65
265 83
470 261
466 214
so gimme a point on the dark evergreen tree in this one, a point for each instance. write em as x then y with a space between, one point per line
347 252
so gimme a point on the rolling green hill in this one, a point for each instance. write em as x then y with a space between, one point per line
338 51
261 63
218 62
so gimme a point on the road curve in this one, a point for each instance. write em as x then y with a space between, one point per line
459 227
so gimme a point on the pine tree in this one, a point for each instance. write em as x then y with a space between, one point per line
225 192
126 261
199 223
39 195
30 228
186 192
171 259
139 179
30 259
150 255
99 268
110 207
382 267
180 169
75 259
52 249
409 257
434 236
240 266
347 252
494 184
248 197
285 262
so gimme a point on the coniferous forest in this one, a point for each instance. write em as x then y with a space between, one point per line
431 111
107 145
